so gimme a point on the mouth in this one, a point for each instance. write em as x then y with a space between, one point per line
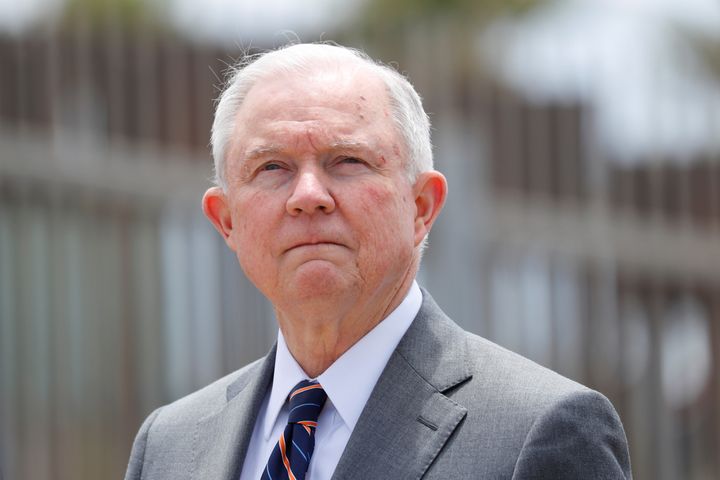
314 244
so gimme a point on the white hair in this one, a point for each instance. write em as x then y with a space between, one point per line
410 118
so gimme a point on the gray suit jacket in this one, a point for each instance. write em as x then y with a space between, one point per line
448 405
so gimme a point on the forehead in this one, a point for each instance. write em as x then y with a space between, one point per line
340 104
319 84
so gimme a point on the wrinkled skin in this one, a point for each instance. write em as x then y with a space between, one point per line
319 209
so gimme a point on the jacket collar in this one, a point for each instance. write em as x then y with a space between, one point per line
408 407
222 438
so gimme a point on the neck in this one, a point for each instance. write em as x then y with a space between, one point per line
335 326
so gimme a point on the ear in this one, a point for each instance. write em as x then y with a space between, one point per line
216 209
430 191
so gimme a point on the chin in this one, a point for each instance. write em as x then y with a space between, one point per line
319 279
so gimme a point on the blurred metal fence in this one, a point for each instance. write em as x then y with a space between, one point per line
116 296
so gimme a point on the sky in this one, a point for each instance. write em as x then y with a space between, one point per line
17 15
213 21
227 21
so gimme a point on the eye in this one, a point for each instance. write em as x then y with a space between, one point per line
351 161
270 166
270 169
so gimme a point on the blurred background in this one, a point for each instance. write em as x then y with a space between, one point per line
581 140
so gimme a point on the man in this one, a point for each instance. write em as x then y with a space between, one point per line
326 193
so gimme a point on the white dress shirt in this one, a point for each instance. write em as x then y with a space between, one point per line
348 383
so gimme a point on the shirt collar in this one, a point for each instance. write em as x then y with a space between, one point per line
349 381
287 374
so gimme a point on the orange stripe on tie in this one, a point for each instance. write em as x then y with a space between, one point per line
305 389
307 424
285 460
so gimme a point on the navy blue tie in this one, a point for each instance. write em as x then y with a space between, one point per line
290 458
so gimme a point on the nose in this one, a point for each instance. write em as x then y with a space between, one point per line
309 195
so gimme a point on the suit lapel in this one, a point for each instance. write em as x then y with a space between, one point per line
408 419
222 438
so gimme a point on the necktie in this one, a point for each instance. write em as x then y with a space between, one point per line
290 458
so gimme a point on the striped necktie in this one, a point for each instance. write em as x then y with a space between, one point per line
290 458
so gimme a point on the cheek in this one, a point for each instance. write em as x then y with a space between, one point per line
250 229
375 203
388 217
256 262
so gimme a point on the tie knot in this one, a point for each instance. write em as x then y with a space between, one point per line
306 401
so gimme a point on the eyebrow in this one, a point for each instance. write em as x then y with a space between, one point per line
265 150
348 145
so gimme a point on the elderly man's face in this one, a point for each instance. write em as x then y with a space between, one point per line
318 203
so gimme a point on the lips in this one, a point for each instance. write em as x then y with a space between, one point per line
310 243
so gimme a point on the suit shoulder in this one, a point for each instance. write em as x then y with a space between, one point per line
206 400
445 353
544 424
168 436
516 411
516 378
